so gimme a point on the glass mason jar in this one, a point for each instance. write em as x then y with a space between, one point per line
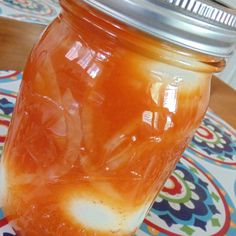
111 96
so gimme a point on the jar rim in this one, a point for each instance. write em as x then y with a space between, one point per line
198 25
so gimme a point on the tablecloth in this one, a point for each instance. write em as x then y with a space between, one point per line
40 11
199 199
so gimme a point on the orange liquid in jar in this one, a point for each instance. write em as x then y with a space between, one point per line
97 129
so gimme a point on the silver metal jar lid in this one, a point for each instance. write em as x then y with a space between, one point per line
200 25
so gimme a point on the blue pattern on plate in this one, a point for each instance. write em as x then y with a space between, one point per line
1 214
220 142
202 209
6 106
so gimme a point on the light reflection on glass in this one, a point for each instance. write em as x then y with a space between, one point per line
171 94
169 123
102 56
157 75
86 59
156 139
82 53
155 120
134 138
73 53
147 117
135 173
155 91
170 98
150 118
93 70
